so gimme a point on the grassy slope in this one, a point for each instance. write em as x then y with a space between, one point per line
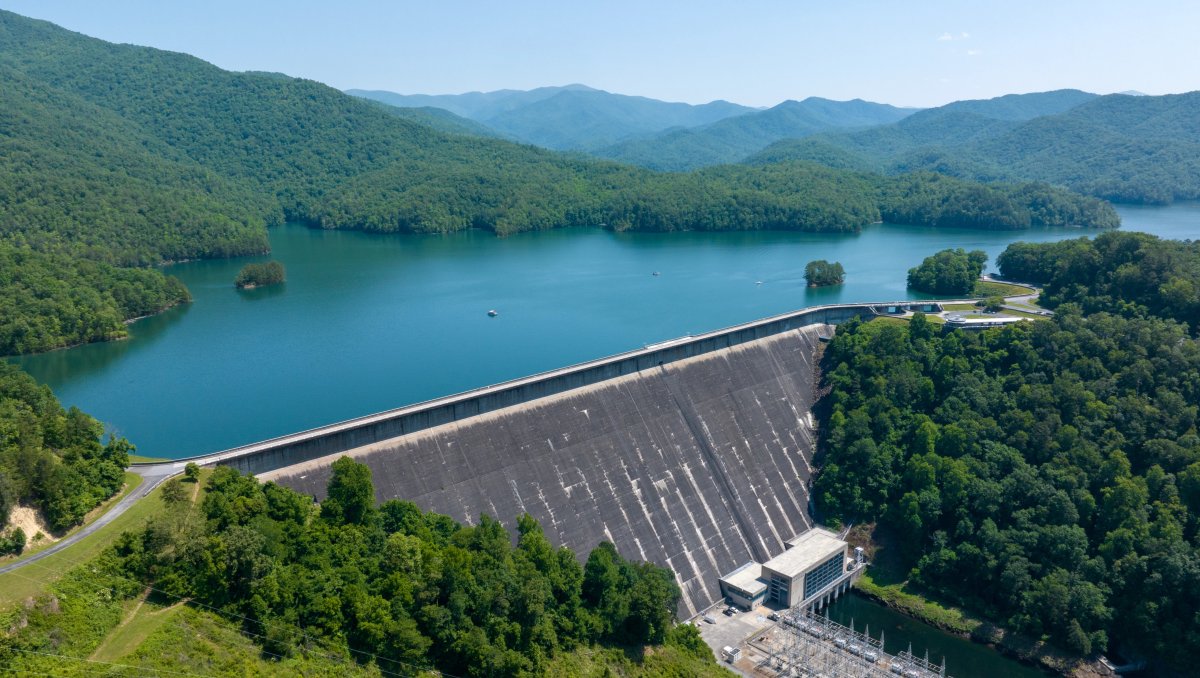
660 661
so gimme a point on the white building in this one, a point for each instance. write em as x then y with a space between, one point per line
810 567
815 568
745 586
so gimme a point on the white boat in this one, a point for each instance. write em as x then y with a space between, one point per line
493 313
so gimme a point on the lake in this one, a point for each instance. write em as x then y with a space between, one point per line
370 322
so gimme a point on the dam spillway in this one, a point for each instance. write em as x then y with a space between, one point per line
698 464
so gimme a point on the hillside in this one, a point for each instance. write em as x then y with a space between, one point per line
443 121
1140 149
229 576
135 156
733 139
574 117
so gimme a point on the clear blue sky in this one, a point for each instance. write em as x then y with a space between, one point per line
756 52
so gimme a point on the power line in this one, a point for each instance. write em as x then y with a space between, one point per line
263 624
303 633
94 661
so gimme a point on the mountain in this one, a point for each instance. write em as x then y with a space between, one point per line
1021 107
1141 149
574 117
443 121
733 139
131 156
477 106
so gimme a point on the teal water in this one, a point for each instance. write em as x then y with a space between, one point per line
371 322
963 658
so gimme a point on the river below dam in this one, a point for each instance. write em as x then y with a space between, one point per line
369 322
963 658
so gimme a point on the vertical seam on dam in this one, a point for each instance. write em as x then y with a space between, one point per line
713 462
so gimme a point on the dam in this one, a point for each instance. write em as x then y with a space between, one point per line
694 454
697 465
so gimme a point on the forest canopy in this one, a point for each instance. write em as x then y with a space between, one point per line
951 272
259 275
1131 273
49 300
1046 474
820 273
395 585
52 458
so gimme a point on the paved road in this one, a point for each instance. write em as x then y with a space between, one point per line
152 476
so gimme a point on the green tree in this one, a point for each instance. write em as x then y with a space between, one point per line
949 272
350 496
173 492
820 273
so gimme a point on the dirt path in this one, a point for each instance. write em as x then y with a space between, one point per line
141 600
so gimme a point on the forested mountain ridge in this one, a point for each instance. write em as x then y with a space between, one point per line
733 139
574 117
136 156
1139 149
767 135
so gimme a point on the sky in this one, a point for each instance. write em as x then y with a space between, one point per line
753 52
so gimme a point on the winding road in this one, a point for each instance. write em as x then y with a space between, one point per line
152 476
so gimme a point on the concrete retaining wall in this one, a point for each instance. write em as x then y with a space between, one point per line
306 445
696 463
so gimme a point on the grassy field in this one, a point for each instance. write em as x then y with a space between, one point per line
139 459
142 620
959 307
933 319
1023 314
998 289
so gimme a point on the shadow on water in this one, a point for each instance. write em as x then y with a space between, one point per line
260 293
90 360
963 658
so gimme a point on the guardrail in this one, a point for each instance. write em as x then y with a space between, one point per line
352 433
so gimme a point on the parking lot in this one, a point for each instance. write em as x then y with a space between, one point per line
732 630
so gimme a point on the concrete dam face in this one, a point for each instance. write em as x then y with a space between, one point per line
699 465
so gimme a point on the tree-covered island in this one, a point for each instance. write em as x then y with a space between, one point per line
820 273
259 275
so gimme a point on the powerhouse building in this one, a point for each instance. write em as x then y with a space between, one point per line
815 566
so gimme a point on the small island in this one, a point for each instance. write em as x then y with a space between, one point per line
259 275
821 273
949 272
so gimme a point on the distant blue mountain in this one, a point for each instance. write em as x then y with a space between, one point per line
734 138
574 117
1125 148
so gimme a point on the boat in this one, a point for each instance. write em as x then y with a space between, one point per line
493 313
656 274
